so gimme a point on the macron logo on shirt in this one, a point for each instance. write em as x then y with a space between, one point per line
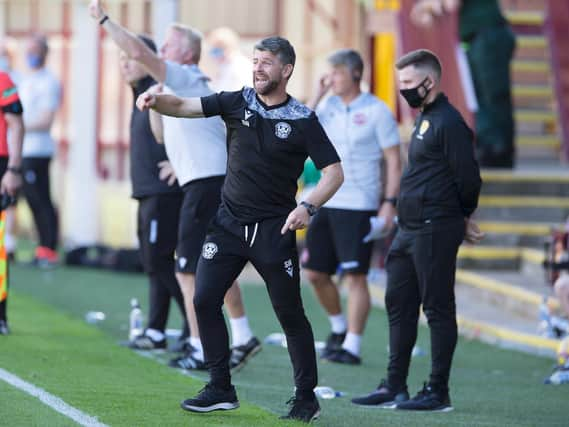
248 115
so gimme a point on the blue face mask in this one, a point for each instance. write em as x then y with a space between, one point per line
34 61
216 52
4 64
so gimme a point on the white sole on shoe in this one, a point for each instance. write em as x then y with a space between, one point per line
385 405
223 406
445 409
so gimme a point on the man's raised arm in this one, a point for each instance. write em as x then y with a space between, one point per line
171 105
129 42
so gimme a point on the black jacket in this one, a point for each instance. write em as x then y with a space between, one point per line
145 152
442 180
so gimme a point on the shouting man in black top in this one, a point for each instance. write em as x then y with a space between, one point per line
439 192
270 134
159 199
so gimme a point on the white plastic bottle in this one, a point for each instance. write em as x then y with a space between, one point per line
276 338
135 320
324 392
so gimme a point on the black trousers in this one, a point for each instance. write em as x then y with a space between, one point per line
227 248
489 55
421 268
158 218
36 190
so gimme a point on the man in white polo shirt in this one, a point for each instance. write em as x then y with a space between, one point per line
200 169
341 234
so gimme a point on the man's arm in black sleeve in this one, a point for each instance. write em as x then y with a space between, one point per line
211 105
222 103
13 108
318 145
459 149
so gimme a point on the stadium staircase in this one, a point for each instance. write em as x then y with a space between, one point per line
501 283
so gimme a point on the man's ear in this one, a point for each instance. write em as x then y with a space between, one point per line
287 70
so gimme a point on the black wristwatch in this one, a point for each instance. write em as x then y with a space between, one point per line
310 208
392 200
15 170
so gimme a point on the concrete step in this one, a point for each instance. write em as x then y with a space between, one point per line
515 234
525 18
535 121
493 311
523 208
533 97
543 142
531 72
522 5
513 290
531 48
535 115
533 91
535 147
500 257
550 181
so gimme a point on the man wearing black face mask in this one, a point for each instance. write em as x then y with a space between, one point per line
439 192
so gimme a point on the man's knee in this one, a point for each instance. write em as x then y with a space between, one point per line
291 318
357 282
442 314
205 302
317 278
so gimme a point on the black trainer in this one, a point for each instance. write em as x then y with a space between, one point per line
4 330
305 410
343 356
428 399
182 346
211 398
384 396
333 343
187 361
242 353
144 342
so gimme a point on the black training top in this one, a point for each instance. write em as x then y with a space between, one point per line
442 180
267 147
145 152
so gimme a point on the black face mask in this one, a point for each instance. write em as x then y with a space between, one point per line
412 95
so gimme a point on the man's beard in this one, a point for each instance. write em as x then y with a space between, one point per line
268 88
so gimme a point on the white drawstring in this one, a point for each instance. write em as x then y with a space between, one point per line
254 234
246 233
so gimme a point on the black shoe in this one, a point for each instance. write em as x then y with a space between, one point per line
343 356
428 399
182 346
144 342
384 396
242 353
188 361
4 330
305 410
333 343
211 398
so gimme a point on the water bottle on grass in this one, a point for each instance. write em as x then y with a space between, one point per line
135 320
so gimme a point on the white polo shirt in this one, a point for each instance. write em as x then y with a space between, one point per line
360 132
39 92
196 148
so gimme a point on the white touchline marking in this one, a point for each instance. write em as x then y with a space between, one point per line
50 400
